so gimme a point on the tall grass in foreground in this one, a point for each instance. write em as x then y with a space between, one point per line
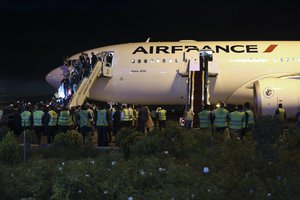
165 165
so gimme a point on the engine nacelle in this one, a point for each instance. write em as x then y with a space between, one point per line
269 92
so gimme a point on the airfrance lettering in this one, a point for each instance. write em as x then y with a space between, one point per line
216 49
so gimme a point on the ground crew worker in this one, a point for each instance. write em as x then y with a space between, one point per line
280 115
125 117
102 126
51 121
188 117
85 122
205 118
64 120
249 120
162 117
26 119
135 117
236 121
130 110
38 116
220 116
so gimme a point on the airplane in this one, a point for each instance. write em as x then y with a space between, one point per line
264 73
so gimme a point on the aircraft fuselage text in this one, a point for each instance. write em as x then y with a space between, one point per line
217 49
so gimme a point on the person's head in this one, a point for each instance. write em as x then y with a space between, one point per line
280 105
240 107
221 104
247 105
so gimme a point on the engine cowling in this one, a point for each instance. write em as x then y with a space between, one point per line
269 92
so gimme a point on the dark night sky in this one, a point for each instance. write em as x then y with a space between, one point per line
36 34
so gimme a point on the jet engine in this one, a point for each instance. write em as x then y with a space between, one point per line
269 92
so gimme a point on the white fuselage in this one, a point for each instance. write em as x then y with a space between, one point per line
148 73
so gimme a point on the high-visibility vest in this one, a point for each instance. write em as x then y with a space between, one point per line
162 115
188 115
53 118
204 119
236 120
25 116
250 118
281 114
101 118
126 116
220 117
130 111
64 118
37 117
84 118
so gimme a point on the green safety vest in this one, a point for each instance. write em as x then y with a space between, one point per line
220 117
84 118
37 118
64 118
162 115
236 120
130 111
281 113
188 115
101 118
126 116
204 119
53 118
25 116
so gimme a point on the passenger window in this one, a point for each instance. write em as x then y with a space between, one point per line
164 60
145 61
170 60
157 60
176 60
151 60
139 61
132 61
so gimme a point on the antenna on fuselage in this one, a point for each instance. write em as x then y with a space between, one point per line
148 40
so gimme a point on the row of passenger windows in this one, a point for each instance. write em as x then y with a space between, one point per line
151 60
176 60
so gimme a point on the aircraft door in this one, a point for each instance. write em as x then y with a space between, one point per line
106 59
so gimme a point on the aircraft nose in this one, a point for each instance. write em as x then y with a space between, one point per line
55 77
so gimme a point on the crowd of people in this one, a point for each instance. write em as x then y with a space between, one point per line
238 120
50 118
78 69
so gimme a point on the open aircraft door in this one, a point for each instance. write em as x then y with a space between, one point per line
106 69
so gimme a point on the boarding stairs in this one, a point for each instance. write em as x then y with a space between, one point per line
83 91
195 68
